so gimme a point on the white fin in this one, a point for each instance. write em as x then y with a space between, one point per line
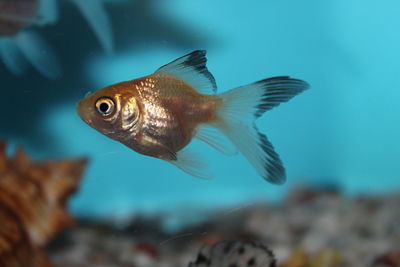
256 148
251 101
241 106
48 12
216 139
234 253
191 163
96 15
192 69
12 57
38 53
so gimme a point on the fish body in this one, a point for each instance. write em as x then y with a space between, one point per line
170 112
159 115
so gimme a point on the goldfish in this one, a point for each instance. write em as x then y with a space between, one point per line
235 253
20 44
158 115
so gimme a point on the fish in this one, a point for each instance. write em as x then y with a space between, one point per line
234 253
160 114
21 45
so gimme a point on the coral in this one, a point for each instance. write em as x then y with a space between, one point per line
32 205
11 12
20 44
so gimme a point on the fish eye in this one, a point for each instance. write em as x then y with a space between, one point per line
105 106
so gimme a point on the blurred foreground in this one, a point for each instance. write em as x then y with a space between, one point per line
312 227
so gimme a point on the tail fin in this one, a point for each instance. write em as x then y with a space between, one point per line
240 108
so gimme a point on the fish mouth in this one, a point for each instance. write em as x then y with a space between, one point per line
81 112
84 114
78 108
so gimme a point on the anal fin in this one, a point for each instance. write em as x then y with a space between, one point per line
216 139
191 163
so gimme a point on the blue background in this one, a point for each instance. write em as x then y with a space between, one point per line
344 130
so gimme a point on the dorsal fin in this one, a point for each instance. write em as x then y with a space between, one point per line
192 69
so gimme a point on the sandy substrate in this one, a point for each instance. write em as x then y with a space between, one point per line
312 227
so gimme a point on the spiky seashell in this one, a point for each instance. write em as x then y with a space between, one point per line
235 253
32 206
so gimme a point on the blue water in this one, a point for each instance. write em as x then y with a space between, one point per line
344 130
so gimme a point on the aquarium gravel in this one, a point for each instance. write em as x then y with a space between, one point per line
311 227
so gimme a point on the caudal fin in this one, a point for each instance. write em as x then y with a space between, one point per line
240 108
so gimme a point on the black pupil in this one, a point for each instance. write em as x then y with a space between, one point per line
104 107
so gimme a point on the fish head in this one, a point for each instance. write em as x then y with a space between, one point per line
114 111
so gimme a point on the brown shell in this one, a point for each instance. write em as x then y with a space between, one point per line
32 206
16 15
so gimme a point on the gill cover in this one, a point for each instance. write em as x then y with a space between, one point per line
129 114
